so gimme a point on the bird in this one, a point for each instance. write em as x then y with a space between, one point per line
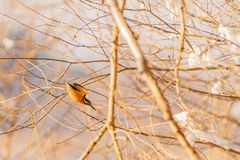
78 93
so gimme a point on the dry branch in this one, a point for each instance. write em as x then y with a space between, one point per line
147 75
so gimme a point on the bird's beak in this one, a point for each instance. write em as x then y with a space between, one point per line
93 107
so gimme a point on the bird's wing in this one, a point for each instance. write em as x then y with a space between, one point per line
80 88
70 88
69 85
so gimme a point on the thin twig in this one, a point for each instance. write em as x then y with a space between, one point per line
52 59
93 143
113 85
110 126
180 51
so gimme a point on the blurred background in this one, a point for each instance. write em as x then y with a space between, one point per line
44 43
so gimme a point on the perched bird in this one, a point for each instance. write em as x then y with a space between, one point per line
78 93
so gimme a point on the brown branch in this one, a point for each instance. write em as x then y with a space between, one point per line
51 59
113 86
147 75
93 143
110 126
180 52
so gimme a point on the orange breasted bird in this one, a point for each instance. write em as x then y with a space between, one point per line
78 93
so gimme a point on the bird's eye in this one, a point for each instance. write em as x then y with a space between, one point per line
86 101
